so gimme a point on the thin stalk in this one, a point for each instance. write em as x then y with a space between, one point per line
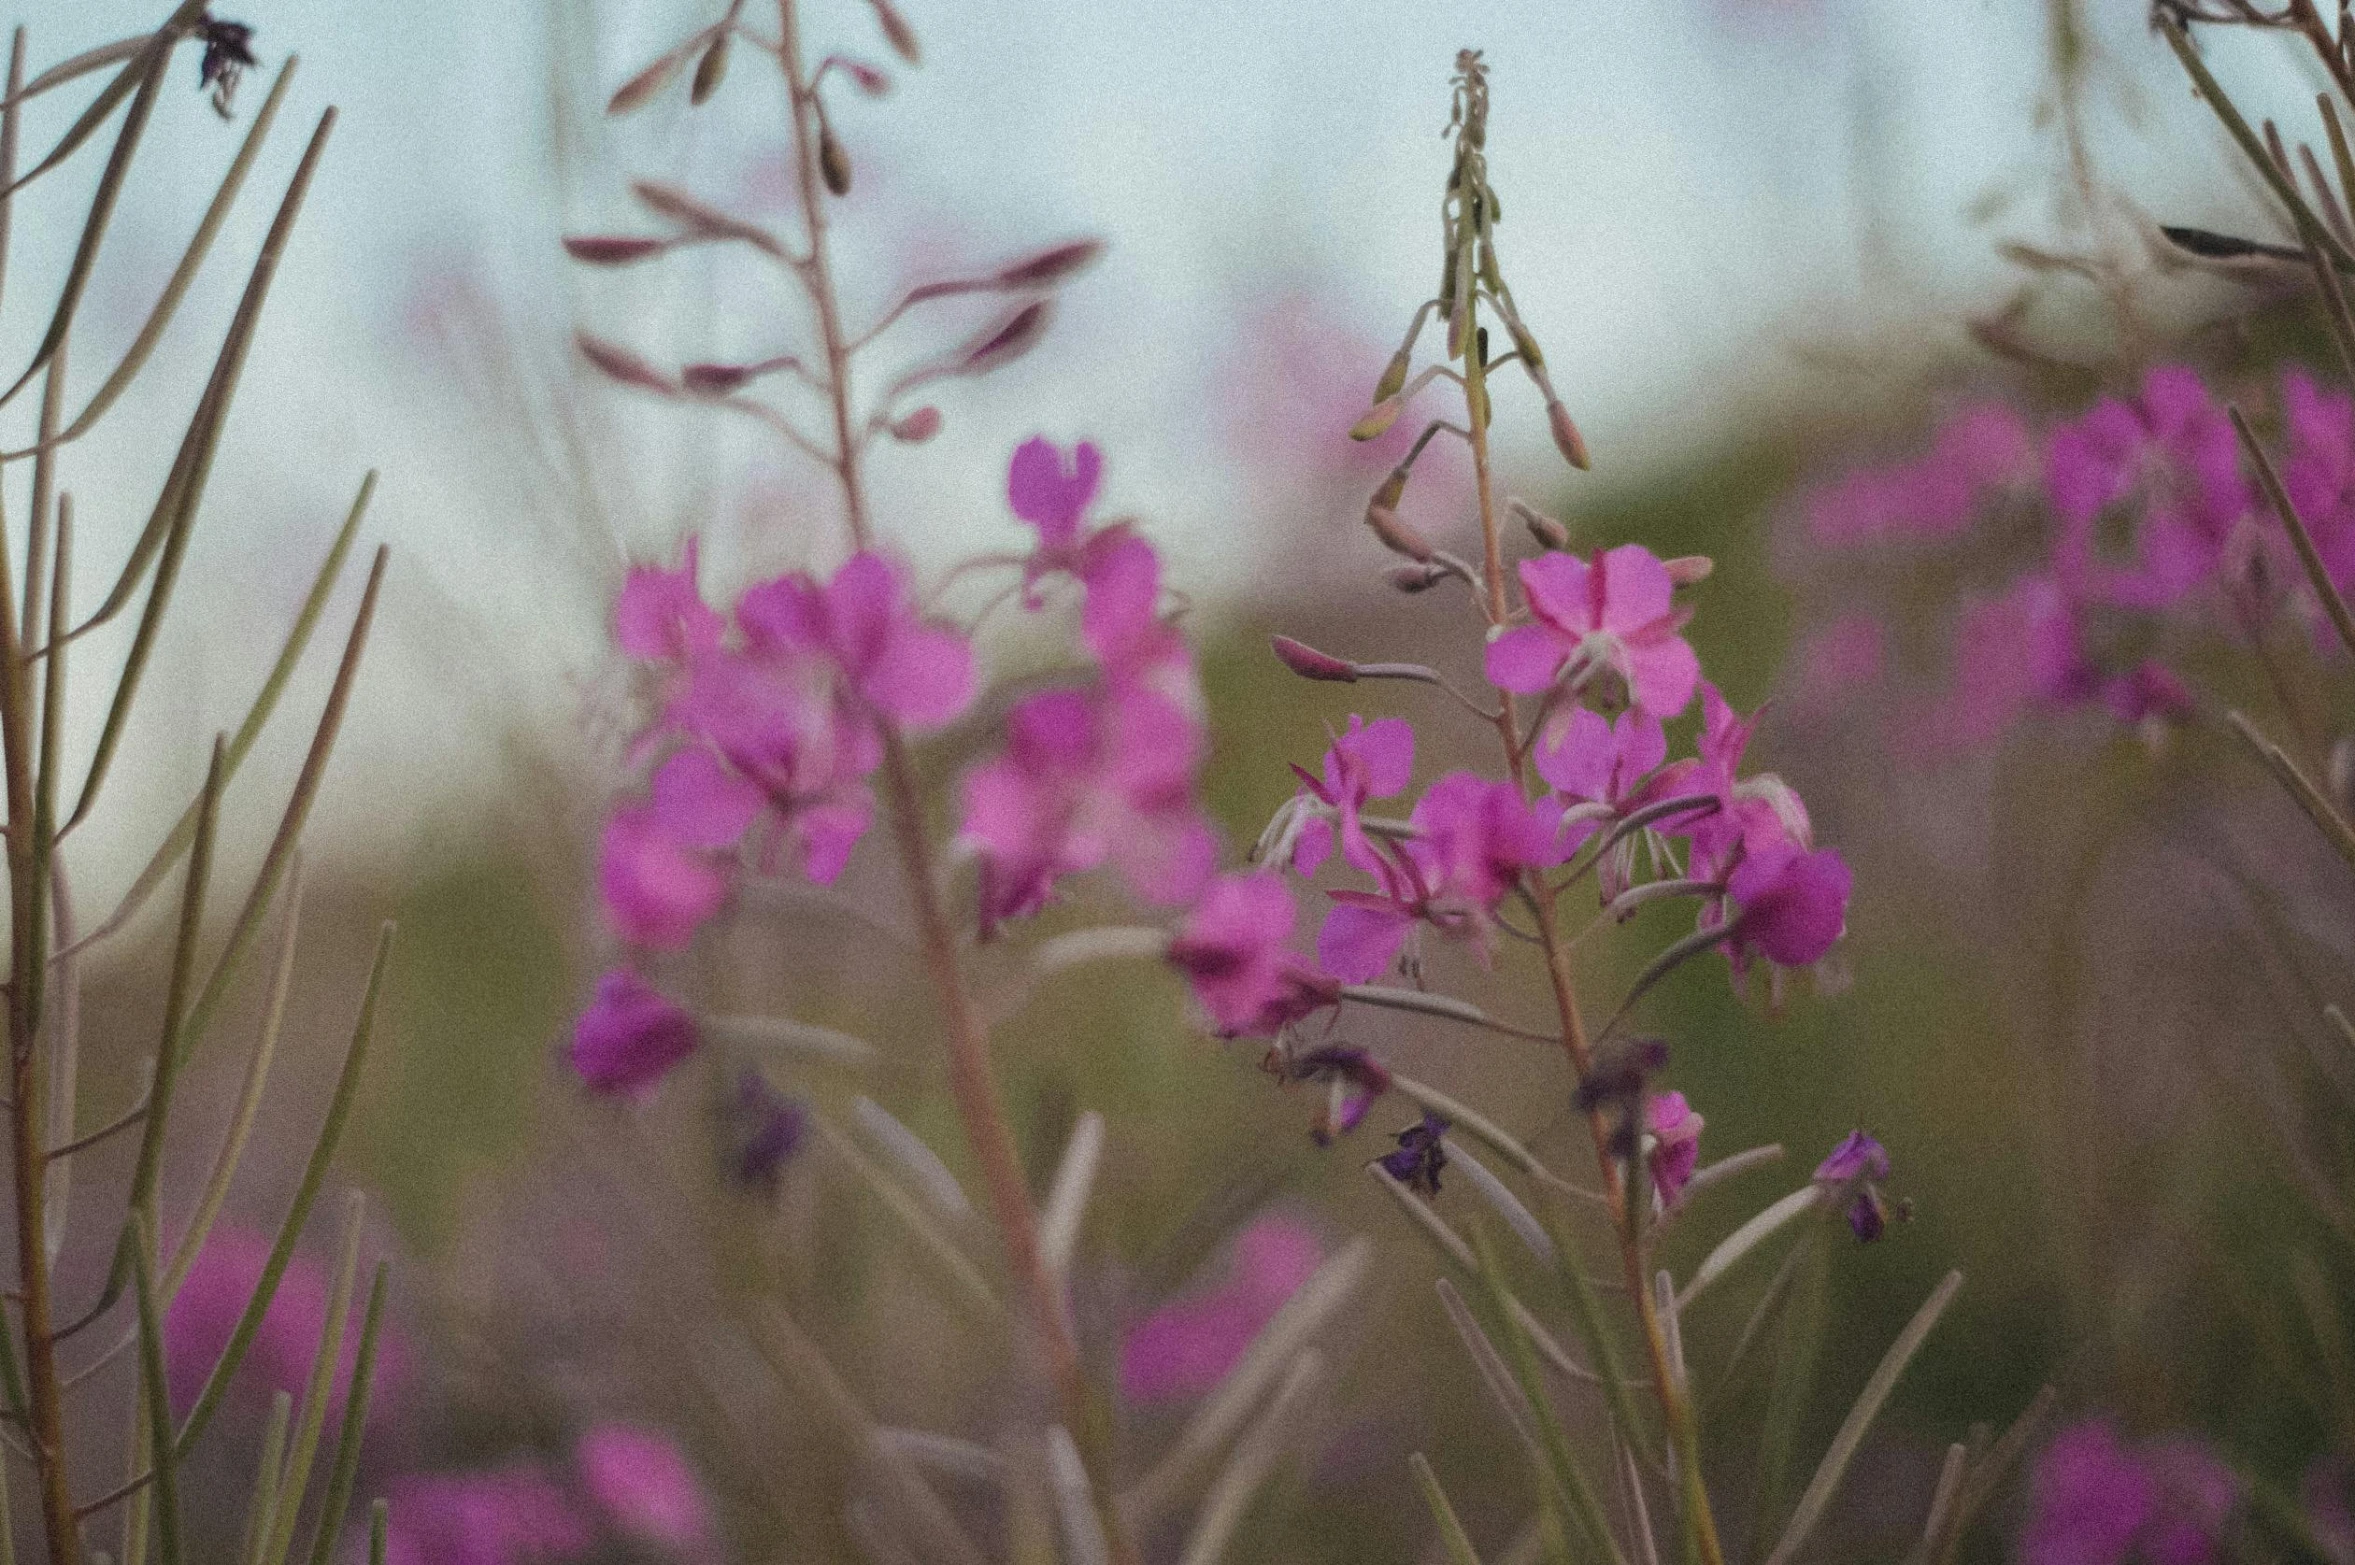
972 1083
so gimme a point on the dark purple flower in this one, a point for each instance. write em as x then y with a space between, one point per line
1794 905
1354 1080
1859 1163
1421 1154
760 1130
630 1037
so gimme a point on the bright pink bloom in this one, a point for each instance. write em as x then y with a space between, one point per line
1615 613
1755 814
1676 1144
641 1482
1054 496
660 615
512 1515
1232 949
1089 777
203 1316
1185 1348
1794 904
1369 761
630 1037
1982 450
658 889
890 661
2093 1501
2170 461
1605 764
1473 840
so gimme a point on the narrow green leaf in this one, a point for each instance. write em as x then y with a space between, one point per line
1472 1123
339 1109
1834 1465
1586 1313
265 703
295 1476
157 1391
1941 1524
1799 1346
932 1241
1765 1311
9 127
175 510
1747 1238
377 1513
348 1441
73 68
60 1020
1452 1536
263 1503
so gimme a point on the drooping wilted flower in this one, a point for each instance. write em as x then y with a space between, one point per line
630 1037
761 1129
1859 1163
1421 1154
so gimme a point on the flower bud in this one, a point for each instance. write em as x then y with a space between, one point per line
913 429
1567 439
869 81
1417 578
710 71
621 364
1549 533
612 249
1525 345
1050 268
1392 491
1309 663
1007 341
714 380
833 162
1394 373
1396 535
640 89
897 32
1688 570
1378 419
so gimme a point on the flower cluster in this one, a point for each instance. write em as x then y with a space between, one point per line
627 1484
2145 522
1187 1346
2094 1500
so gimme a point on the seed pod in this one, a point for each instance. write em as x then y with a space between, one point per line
1396 535
833 162
1526 346
1051 268
1309 663
1417 578
913 429
710 71
640 89
612 249
1549 533
1567 439
1688 570
1378 419
619 363
897 32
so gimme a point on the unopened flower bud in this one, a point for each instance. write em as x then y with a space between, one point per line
621 364
612 249
710 71
714 380
1392 491
1378 419
1549 533
913 429
1525 345
1418 578
1004 343
1393 379
1688 570
1396 535
897 32
833 162
869 81
1049 268
1567 439
1309 663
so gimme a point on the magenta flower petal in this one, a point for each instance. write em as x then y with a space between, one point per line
657 890
699 802
1048 493
1794 904
630 1037
660 615
512 1515
1233 950
2088 1500
641 1482
923 678
1662 673
1676 1144
1185 1348
1359 941
1526 658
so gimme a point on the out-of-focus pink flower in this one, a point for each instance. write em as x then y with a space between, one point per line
512 1515
1841 657
1794 904
2148 692
660 615
2010 651
795 764
657 889
890 660
640 1481
203 1316
1054 495
1982 450
1232 948
1676 1144
2094 1501
630 1037
1473 839
1369 761
1088 777
1185 1348
2168 465
2318 469
1613 614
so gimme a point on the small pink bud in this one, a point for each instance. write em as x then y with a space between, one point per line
1396 535
612 249
710 71
1378 419
1549 533
897 32
1687 570
714 380
1567 439
1417 578
870 81
913 429
1050 268
1309 663
621 364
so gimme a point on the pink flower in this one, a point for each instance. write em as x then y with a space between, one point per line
2171 462
630 1037
1603 764
1369 761
643 1485
203 1316
658 890
2011 650
1982 450
1054 495
1676 1144
1185 1348
1089 777
2319 469
890 661
1232 950
2150 692
1615 613
1839 658
1473 841
660 615
1760 813
2094 1501
512 1515
1794 905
